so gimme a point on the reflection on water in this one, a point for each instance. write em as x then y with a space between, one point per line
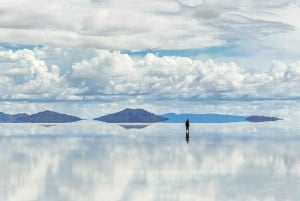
133 126
107 162
47 125
187 137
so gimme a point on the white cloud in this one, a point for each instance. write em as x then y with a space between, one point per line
110 75
103 24
183 78
135 25
28 77
161 76
250 33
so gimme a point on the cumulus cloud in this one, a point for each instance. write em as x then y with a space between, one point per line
98 74
28 77
279 81
173 77
163 77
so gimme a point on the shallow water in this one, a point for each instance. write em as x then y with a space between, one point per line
98 161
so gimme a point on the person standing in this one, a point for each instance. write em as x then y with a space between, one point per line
187 125
187 130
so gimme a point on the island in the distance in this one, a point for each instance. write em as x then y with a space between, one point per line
256 118
132 116
40 117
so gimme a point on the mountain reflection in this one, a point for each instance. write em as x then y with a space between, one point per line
149 167
133 126
47 125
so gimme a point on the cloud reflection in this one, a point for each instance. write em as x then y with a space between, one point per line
153 163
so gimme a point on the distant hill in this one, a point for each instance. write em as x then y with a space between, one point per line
203 118
256 118
49 117
5 117
131 116
8 118
41 117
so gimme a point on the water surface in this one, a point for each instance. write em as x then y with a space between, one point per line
98 161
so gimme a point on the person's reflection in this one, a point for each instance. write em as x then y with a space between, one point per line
187 137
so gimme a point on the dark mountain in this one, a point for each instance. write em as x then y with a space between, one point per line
4 117
49 117
41 117
8 118
203 118
19 116
257 118
131 116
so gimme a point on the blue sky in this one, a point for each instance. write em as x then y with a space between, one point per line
142 52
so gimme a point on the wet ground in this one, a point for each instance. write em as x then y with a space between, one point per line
98 161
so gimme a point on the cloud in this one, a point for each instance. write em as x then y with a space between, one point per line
284 77
172 77
165 77
28 77
250 33
208 11
67 74
102 24
244 27
132 25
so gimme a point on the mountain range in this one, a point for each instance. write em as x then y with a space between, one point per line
131 116
40 117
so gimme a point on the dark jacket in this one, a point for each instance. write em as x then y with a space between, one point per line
187 123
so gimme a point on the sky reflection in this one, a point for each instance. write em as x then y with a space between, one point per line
154 163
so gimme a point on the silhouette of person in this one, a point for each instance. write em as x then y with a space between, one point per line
187 125
187 130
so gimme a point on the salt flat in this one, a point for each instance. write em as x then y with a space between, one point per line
99 161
